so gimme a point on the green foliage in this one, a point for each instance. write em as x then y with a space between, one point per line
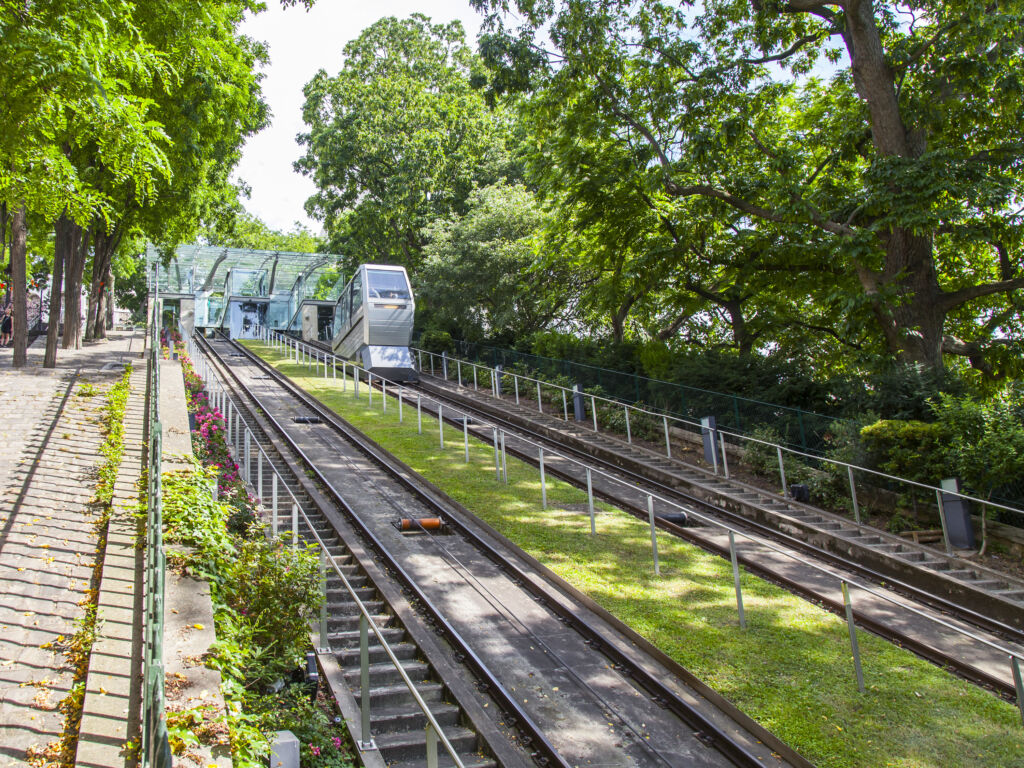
437 341
914 450
397 138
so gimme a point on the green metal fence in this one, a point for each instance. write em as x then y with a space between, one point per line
797 428
155 745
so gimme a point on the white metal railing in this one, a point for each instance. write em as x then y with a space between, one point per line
241 438
315 359
717 435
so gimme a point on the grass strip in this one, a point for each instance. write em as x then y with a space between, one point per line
791 669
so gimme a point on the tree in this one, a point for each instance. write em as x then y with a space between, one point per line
480 278
397 138
892 130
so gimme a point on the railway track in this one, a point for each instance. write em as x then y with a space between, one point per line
636 483
927 582
522 667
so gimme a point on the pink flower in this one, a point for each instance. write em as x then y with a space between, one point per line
314 749
336 741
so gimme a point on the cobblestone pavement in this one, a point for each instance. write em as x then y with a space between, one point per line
50 433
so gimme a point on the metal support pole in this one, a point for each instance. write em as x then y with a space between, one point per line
465 437
369 387
295 526
942 519
365 737
853 494
593 410
401 397
565 406
419 414
782 470
590 504
325 643
344 375
497 458
440 425
736 579
668 443
654 534
334 368
384 395
515 383
540 407
629 434
273 504
504 462
355 380
458 366
248 473
543 482
431 746
475 387
853 637
259 475
725 455
228 424
1018 683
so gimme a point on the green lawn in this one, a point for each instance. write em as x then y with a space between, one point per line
791 669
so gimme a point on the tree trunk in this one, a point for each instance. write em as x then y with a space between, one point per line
63 241
19 235
73 289
109 303
100 261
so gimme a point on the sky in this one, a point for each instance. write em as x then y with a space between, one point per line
302 42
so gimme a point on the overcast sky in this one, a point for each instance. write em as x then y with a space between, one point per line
300 43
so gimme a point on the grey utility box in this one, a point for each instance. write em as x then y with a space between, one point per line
284 752
958 516
709 435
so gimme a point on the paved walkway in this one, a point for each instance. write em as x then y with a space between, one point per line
50 433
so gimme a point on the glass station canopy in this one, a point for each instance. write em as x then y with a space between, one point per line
218 277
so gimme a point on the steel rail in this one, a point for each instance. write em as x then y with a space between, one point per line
704 728
544 751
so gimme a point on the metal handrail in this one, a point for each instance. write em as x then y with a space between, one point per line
1016 660
366 618
155 751
720 433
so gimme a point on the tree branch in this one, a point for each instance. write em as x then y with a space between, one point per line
948 301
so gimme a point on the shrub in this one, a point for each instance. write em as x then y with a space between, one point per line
914 450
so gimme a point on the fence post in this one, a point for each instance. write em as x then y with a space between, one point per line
515 383
543 483
465 437
295 526
782 470
248 473
590 504
259 475
401 397
540 407
355 380
440 425
565 404
475 387
369 388
273 504
419 414
654 534
504 462
668 442
629 434
384 394
431 746
736 579
458 366
853 636
497 458
725 457
593 410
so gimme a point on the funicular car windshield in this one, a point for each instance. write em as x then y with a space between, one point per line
387 284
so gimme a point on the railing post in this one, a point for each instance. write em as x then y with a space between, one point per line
295 526
419 413
259 476
543 483
465 436
565 404
629 434
401 397
736 579
497 458
782 471
725 456
248 472
384 395
431 746
369 387
273 504
504 462
668 442
365 737
1018 683
355 379
942 519
458 366
325 642
593 410
853 636
654 534
590 504
853 494
440 425
475 387
540 406
515 383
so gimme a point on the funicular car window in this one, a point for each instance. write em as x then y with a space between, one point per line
387 284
